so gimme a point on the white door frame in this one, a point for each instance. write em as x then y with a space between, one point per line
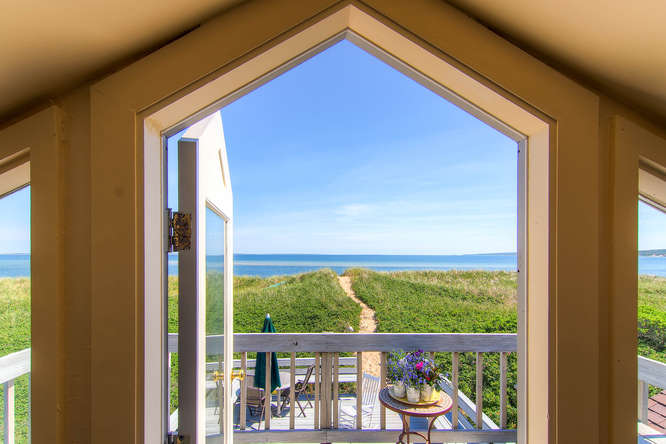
531 132
204 183
135 107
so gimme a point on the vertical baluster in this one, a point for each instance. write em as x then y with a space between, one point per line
243 394
359 390
292 391
30 406
316 403
9 412
326 391
336 372
168 384
226 379
382 384
479 390
643 394
267 391
503 390
454 373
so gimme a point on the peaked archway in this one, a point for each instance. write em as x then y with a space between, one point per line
127 111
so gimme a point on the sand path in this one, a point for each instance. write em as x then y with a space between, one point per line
371 360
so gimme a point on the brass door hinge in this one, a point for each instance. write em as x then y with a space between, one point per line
174 438
180 231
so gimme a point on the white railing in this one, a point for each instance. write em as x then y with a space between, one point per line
327 347
11 367
650 372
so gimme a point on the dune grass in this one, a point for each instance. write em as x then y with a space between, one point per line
652 319
452 302
306 303
483 302
474 301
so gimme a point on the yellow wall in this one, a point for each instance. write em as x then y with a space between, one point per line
99 203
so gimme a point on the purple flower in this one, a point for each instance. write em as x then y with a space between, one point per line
419 366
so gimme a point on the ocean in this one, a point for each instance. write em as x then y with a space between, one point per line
15 265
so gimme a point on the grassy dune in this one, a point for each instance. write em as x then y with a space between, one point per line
420 301
311 302
652 318
452 302
483 302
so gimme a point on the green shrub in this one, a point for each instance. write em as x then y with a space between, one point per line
449 302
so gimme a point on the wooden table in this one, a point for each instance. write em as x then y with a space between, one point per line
405 411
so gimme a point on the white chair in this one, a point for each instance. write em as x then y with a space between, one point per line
347 414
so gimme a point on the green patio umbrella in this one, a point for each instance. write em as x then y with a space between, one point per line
260 369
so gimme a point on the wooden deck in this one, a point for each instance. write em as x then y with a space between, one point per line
280 422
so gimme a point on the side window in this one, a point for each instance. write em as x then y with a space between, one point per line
15 304
651 305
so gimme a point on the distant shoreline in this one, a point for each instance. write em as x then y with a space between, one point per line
650 262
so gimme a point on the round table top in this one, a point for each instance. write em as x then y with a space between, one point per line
443 406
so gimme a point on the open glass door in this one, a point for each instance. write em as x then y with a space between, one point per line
205 275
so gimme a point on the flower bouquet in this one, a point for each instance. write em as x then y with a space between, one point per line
413 376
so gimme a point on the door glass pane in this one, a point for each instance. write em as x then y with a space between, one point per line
214 323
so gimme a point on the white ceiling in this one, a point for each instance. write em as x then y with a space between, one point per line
47 47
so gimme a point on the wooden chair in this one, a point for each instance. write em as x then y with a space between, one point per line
255 401
347 414
301 388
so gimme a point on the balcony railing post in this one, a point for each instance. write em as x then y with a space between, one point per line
643 395
454 375
326 391
336 372
268 393
9 412
479 390
359 390
29 408
503 363
382 384
168 396
317 381
292 391
243 393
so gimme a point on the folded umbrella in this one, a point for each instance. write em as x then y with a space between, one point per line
260 369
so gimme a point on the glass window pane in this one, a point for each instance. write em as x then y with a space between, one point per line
215 379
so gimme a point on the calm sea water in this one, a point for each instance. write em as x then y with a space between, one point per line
14 265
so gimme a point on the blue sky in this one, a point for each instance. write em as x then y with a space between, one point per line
345 155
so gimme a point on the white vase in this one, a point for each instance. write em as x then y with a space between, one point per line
426 393
413 394
399 389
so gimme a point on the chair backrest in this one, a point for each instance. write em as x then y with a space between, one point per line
255 396
303 384
370 389
308 373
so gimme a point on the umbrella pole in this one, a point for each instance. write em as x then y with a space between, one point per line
267 391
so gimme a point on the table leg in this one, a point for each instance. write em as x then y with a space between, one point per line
279 404
405 430
432 421
405 427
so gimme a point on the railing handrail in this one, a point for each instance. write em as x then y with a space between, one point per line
355 342
347 364
651 371
14 365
